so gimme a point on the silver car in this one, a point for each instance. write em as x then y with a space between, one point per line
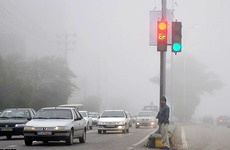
55 124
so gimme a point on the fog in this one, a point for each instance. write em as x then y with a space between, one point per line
106 45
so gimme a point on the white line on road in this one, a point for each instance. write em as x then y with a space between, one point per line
142 140
184 141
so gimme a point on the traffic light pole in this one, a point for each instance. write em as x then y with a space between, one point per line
163 57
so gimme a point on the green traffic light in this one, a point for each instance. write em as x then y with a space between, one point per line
176 47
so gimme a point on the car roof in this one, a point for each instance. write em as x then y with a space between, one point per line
71 105
18 108
146 111
57 108
114 110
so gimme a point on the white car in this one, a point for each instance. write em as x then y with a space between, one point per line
88 119
55 124
113 120
146 118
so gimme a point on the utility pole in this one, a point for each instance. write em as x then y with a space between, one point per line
163 56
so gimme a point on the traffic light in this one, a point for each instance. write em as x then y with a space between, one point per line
162 35
176 36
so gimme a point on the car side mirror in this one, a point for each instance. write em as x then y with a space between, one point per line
29 119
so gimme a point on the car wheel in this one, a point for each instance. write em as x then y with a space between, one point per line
99 131
104 131
27 141
83 138
91 127
69 141
8 137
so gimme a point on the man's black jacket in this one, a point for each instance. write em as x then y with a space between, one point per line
163 114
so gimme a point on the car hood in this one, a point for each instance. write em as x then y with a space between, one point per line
48 122
111 119
19 121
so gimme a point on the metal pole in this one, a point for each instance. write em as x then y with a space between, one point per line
163 57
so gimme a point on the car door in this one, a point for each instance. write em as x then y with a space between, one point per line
75 125
80 123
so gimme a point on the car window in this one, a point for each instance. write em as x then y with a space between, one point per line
15 113
145 114
78 114
74 115
54 114
106 114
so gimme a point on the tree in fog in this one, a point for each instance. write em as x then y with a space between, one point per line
187 80
34 83
51 79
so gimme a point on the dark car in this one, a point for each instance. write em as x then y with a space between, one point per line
12 121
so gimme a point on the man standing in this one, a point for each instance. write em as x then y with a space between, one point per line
163 121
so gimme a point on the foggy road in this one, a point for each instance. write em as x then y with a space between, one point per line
204 137
95 141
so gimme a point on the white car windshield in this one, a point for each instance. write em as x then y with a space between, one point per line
145 114
54 114
15 113
107 114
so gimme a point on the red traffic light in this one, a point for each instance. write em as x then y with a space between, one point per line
162 35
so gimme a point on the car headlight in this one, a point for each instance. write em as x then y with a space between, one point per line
60 128
29 128
19 125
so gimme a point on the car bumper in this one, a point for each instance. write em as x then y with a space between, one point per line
53 136
112 128
11 131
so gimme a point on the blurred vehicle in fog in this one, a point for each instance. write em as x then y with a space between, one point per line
12 121
89 121
146 118
223 121
95 117
113 120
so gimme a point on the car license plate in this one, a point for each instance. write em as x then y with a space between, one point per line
44 133
6 129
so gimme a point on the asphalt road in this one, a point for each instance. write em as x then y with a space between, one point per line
204 137
110 141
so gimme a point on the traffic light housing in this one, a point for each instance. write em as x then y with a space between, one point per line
162 27
176 37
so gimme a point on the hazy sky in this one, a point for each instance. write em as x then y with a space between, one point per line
108 44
